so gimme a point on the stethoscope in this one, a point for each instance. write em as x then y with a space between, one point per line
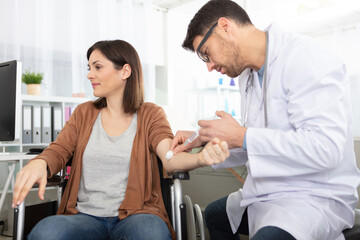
250 85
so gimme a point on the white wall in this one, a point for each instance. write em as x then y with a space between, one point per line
53 36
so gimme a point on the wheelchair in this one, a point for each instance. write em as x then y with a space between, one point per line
185 217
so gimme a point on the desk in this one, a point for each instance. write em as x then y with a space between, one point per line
12 158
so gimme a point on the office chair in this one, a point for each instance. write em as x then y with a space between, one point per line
185 217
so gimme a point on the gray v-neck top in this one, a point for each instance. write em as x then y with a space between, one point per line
105 170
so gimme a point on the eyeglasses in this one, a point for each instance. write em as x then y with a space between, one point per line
202 55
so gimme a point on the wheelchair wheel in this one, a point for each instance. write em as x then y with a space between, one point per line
199 222
190 218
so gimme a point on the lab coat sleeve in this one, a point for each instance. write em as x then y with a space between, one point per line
237 158
315 102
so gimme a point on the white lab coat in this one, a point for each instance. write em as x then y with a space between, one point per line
302 174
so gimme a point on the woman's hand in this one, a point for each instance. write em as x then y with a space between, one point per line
214 152
177 144
33 172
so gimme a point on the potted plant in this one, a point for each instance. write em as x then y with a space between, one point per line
32 81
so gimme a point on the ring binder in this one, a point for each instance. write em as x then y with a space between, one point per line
45 124
56 121
27 124
36 124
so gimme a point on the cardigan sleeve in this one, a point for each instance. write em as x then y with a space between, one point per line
159 127
60 151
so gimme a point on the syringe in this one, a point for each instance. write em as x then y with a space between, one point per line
192 138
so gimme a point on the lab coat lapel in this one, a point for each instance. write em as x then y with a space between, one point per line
256 115
274 37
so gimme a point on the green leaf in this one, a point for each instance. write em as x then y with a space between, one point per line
32 77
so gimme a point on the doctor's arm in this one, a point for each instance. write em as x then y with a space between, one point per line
226 128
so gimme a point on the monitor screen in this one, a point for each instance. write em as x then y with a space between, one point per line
10 103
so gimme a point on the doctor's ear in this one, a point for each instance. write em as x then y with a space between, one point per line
224 24
126 71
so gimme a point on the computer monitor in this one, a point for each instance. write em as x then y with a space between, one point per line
10 101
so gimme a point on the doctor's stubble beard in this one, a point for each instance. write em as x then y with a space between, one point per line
235 63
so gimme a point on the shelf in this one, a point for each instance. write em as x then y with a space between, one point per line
15 156
222 88
53 99
9 144
34 144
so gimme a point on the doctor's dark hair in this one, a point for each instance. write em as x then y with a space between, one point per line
120 53
209 14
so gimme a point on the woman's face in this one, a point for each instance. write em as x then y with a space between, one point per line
105 79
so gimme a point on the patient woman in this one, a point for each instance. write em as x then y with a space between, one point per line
114 188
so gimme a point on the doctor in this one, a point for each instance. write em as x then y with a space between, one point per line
295 138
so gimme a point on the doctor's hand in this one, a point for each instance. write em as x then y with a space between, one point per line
177 144
33 172
214 152
226 128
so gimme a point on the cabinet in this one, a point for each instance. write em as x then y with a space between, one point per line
61 102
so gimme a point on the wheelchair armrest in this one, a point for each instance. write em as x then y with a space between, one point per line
55 180
181 175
